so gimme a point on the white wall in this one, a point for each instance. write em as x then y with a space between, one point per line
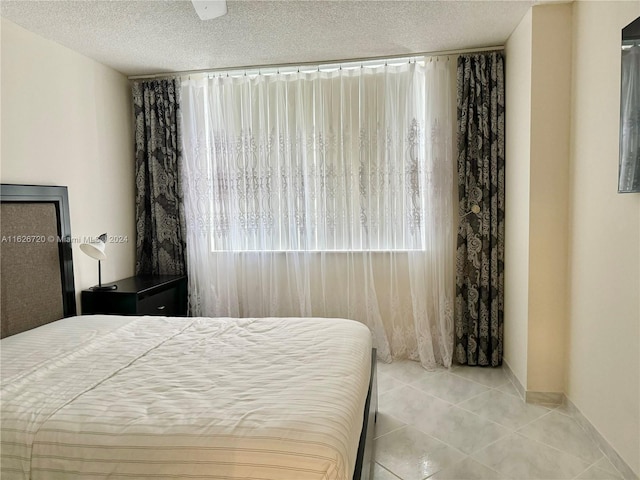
572 267
67 120
549 196
538 66
517 176
603 370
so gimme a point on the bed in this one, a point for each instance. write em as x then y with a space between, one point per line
160 397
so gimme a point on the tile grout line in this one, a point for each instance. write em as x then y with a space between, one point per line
468 457
602 454
518 430
574 413
448 444
556 449
485 418
585 470
386 469
480 383
533 421
394 430
439 441
461 408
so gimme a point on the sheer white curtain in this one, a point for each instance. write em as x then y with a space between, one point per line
325 194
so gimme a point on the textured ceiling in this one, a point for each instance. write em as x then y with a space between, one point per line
154 36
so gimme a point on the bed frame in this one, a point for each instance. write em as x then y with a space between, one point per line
36 264
365 458
37 279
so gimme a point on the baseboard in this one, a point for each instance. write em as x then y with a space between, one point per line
513 379
555 398
593 433
544 398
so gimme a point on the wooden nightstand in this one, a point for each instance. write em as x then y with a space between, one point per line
141 295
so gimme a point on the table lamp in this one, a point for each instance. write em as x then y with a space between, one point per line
95 249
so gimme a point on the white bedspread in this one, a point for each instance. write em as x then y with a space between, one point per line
155 397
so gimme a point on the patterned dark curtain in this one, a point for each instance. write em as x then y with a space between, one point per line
480 254
160 245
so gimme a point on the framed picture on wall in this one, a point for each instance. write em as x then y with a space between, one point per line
629 168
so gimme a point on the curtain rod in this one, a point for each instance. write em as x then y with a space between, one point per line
313 64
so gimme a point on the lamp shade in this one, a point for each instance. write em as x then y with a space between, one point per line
95 249
208 9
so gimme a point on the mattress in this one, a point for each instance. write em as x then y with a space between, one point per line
156 397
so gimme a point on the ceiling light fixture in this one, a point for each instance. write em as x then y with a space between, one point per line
209 9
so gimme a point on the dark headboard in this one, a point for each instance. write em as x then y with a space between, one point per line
36 265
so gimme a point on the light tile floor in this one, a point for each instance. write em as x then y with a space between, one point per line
470 423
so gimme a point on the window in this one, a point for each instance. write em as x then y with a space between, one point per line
321 161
